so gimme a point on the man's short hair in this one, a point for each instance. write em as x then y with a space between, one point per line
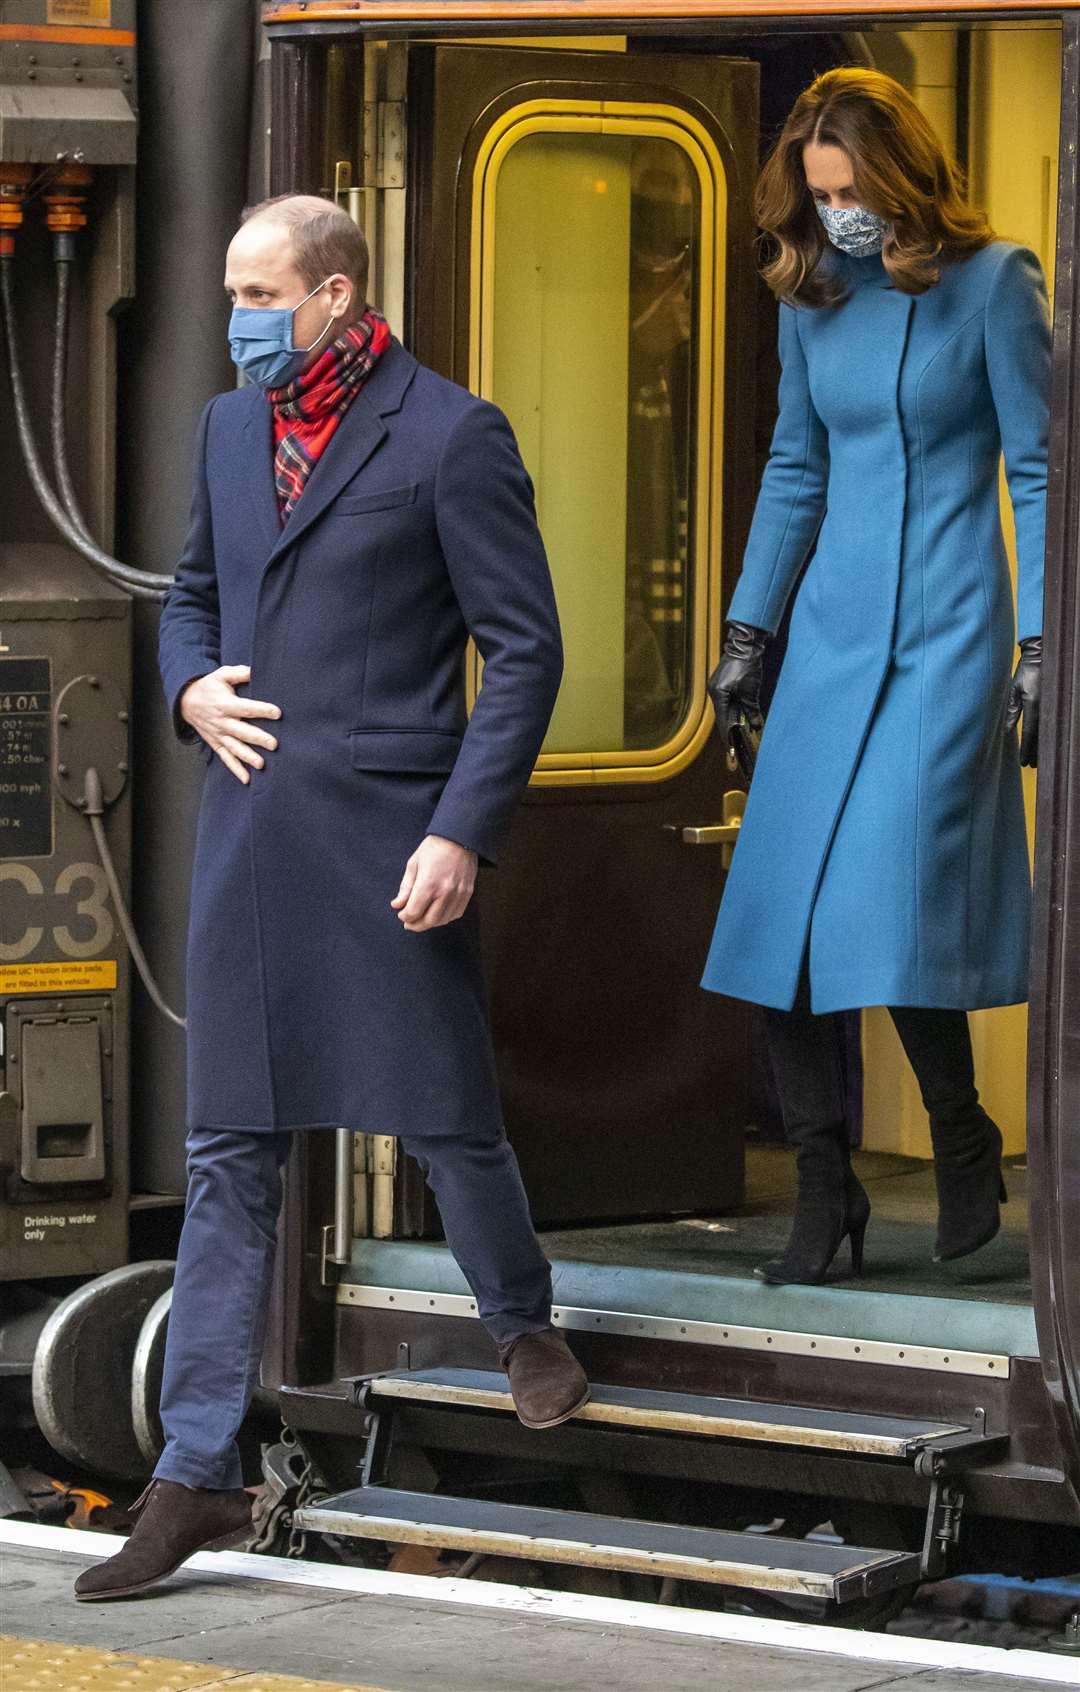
323 236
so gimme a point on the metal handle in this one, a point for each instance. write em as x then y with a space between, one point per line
711 834
343 1195
723 834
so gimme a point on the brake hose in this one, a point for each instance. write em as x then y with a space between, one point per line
143 584
64 484
93 809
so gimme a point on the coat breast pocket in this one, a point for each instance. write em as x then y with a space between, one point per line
378 499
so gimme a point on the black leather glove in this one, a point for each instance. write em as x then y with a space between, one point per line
735 685
1024 699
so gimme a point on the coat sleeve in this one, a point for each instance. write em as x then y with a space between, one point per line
189 634
791 500
1018 362
499 571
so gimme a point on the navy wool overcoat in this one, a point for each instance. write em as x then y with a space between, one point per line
884 836
308 1003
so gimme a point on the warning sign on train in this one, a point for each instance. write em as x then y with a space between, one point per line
97 14
96 974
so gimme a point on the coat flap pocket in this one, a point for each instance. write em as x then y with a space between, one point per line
425 750
379 499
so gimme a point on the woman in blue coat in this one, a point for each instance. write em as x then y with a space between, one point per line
883 857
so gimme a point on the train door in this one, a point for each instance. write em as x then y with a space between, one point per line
582 255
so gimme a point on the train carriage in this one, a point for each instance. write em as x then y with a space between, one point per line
559 175
519 167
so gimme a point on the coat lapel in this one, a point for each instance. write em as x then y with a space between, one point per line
258 440
356 437
354 440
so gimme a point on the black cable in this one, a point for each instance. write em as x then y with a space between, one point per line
65 485
93 810
141 583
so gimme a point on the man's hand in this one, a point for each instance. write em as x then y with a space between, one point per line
437 885
210 704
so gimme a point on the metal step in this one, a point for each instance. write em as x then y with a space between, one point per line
681 1412
758 1561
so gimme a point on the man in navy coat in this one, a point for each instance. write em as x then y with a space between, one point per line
355 519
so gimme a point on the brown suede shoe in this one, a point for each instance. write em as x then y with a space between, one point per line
172 1522
547 1381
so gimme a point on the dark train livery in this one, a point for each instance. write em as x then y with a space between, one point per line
517 165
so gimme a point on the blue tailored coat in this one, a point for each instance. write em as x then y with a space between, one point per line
884 836
308 1003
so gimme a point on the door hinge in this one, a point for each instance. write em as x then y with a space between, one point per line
384 144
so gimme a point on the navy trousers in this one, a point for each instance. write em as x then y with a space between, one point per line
221 1293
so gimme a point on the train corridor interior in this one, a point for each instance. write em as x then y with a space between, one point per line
631 216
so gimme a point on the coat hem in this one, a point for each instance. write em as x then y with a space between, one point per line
470 1130
865 994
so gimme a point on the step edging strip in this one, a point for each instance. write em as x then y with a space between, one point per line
829 1347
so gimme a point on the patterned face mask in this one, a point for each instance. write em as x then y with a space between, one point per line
853 229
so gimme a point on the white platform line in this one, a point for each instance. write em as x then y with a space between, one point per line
1034 1667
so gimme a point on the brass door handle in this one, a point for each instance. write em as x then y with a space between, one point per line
723 834
711 834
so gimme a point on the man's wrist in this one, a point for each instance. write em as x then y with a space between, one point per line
444 840
185 729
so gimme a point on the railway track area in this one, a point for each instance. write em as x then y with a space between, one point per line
1001 1612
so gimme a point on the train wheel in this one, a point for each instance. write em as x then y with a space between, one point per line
146 1372
81 1377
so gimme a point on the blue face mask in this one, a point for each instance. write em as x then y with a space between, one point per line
261 343
853 229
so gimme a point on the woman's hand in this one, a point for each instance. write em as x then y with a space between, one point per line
1024 699
735 685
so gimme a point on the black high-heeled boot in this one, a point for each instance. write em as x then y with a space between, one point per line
807 1061
967 1144
832 1205
967 1169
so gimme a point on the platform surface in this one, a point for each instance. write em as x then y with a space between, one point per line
217 1624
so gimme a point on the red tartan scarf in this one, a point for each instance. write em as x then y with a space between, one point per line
307 412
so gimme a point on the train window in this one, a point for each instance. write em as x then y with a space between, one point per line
597 243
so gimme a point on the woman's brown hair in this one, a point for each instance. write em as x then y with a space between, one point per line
900 171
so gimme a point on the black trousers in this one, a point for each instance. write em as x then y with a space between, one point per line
805 1051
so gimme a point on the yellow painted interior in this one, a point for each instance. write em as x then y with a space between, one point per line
548 343
559 357
1013 117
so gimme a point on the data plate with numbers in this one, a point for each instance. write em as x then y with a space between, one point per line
25 786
